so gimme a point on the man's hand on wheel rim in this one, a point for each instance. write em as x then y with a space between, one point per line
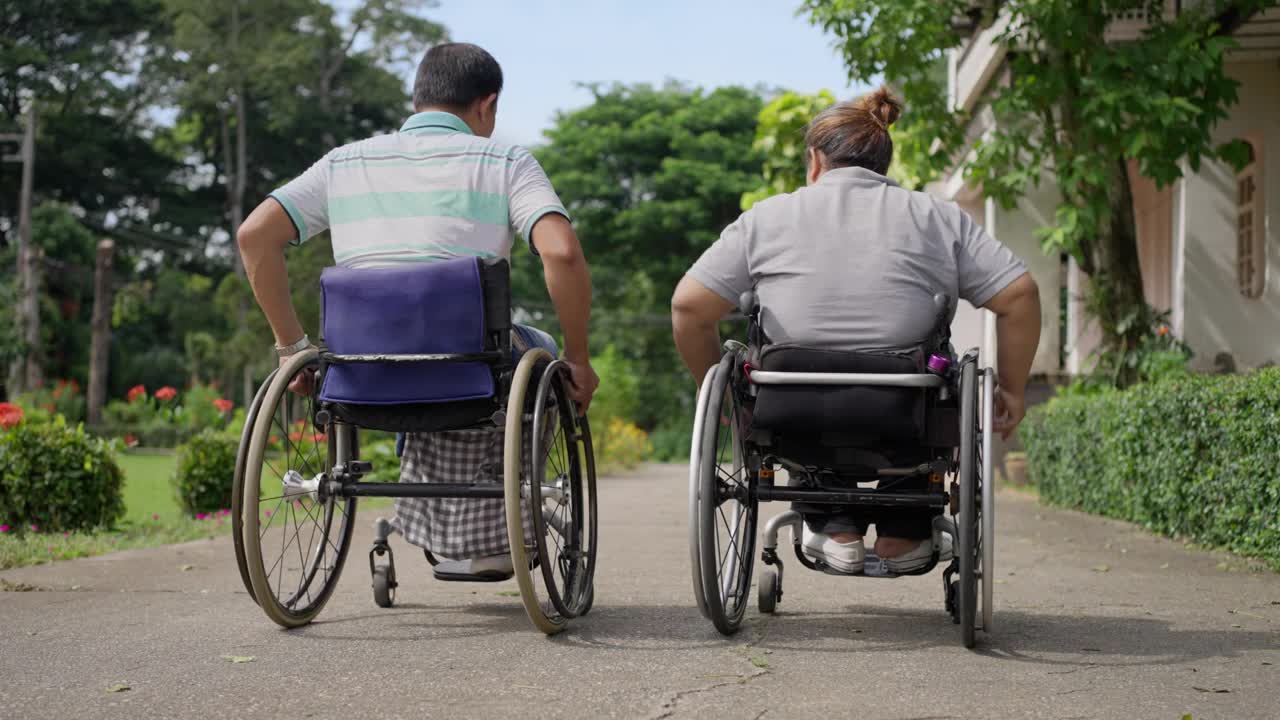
304 383
583 382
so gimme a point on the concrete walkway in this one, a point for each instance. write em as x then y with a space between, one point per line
1095 619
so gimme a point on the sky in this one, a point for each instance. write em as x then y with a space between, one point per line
548 47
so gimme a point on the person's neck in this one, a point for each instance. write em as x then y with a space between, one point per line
462 115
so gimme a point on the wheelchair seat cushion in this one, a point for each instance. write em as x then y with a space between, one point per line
834 414
433 308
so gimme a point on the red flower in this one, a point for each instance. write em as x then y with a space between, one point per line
10 415
130 441
166 393
1162 330
137 392
223 405
295 436
319 437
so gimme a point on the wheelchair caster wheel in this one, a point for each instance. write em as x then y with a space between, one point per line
953 604
384 586
769 592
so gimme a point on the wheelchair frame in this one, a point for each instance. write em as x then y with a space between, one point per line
534 387
721 584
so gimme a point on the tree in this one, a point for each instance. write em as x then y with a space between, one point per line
780 138
1073 108
651 176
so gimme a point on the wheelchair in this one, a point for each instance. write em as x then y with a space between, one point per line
829 419
420 348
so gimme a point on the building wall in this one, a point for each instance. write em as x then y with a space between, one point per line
1016 228
1216 318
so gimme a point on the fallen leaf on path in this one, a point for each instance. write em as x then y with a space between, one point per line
118 688
239 658
185 568
1164 566
509 593
1209 690
1236 625
1002 582
759 661
1101 568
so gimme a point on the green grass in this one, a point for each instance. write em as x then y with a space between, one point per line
148 486
17 550
152 517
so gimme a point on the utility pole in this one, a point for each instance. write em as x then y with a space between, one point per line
27 373
100 344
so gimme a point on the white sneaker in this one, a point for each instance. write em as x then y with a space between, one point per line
918 558
495 564
845 558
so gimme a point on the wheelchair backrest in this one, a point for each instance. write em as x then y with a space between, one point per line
460 306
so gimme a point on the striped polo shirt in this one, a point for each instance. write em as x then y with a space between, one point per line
433 191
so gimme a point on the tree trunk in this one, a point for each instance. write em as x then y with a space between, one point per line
246 384
1116 298
31 375
100 344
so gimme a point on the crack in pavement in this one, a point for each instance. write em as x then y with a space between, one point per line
668 708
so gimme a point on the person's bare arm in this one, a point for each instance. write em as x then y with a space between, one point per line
1017 310
569 282
695 314
262 240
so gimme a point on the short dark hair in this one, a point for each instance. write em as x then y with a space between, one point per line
454 75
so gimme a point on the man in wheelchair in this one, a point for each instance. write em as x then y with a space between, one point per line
436 191
853 262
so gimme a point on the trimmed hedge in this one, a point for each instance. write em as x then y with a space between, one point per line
57 478
1193 456
205 472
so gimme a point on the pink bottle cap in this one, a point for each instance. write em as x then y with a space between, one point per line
938 364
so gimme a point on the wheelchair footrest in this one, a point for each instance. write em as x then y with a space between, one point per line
874 567
460 571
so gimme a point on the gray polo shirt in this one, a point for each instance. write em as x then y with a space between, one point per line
853 261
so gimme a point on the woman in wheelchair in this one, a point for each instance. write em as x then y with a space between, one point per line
853 262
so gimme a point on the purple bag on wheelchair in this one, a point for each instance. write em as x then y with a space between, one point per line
419 309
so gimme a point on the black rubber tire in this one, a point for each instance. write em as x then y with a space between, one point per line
967 520
726 619
767 593
237 483
336 516
384 592
577 474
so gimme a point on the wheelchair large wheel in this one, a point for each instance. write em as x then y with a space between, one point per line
563 493
695 475
727 507
237 482
295 534
967 550
987 506
557 494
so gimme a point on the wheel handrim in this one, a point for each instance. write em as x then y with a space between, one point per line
727 508
966 522
562 497
237 483
296 534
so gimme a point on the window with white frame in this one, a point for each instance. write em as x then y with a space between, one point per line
1251 247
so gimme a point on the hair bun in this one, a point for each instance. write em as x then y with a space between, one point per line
882 105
